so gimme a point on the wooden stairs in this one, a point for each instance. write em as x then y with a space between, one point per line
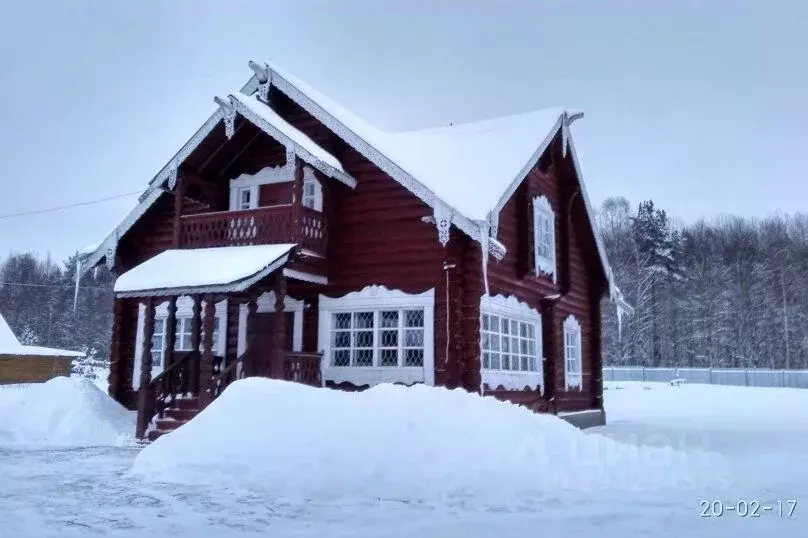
180 413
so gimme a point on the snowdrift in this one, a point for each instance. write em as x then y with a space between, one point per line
63 412
402 443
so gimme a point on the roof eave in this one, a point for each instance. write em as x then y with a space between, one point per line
229 287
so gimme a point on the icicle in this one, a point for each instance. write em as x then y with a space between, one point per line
78 278
484 227
565 134
619 320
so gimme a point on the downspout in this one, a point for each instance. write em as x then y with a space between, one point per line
446 267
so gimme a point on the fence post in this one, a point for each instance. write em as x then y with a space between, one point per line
746 376
643 374
710 375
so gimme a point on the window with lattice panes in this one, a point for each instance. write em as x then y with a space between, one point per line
158 342
509 344
378 338
182 341
572 353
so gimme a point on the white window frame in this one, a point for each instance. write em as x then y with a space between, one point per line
184 310
266 176
376 299
572 354
314 199
512 309
544 235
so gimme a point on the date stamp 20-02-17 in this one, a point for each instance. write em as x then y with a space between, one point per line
784 508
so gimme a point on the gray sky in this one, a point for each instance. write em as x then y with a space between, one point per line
701 106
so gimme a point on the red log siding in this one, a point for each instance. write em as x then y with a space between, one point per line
275 194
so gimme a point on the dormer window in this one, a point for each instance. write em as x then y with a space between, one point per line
544 236
312 191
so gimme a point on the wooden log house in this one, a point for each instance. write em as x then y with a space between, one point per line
290 239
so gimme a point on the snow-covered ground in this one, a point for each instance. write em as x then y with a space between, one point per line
442 464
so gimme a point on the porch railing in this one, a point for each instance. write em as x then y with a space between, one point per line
303 368
263 225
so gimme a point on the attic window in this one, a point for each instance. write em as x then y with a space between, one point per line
544 236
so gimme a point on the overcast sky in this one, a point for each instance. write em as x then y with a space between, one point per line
701 106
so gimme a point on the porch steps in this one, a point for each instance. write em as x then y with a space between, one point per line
182 411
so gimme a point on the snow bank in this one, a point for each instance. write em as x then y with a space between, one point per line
63 412
404 443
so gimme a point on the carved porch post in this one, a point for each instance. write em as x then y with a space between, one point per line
206 364
196 331
144 405
116 365
170 337
279 330
297 206
249 362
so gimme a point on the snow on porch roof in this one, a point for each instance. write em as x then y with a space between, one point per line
469 166
202 270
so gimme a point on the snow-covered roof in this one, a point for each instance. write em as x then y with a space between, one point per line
467 165
9 345
286 130
442 165
203 269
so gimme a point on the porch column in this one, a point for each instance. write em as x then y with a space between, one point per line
206 363
297 206
116 365
144 404
279 330
196 331
249 361
170 337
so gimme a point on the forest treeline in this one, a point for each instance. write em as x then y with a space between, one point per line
729 291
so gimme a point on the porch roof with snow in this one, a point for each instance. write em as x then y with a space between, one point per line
10 345
203 270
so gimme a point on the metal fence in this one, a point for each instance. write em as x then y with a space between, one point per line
755 377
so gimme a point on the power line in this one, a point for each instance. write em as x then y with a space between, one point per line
59 208
64 286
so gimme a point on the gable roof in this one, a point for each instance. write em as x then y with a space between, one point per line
437 165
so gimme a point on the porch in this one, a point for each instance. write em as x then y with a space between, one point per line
207 317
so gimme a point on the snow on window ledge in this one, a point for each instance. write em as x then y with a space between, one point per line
512 380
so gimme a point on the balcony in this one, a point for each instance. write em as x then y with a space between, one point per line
260 226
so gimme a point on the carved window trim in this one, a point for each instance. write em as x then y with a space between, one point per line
377 299
544 237
572 354
516 313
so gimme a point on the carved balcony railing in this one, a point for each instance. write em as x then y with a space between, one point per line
303 368
260 226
